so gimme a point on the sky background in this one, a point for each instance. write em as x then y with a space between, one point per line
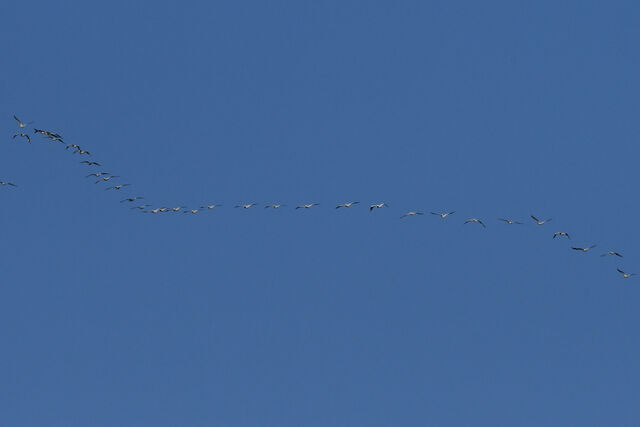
321 317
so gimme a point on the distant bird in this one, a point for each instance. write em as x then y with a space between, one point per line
117 187
412 213
540 222
97 174
163 209
156 210
76 146
55 138
275 206
612 253
107 178
46 133
561 234
307 206
584 249
81 152
5 183
22 135
625 275
89 163
346 205
176 209
131 199
21 124
193 211
141 207
210 206
476 220
508 221
443 215
246 206
378 206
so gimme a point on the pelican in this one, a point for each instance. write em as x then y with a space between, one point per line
107 178
22 135
81 152
308 206
131 199
561 234
584 249
412 213
476 220
5 183
116 187
193 211
46 133
75 146
55 138
443 215
346 205
625 275
141 207
540 222
156 210
21 124
246 206
508 221
275 206
212 206
89 163
378 206
97 174
612 253
177 208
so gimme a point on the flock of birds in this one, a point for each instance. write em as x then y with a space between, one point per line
106 178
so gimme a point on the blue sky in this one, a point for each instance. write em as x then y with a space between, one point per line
323 316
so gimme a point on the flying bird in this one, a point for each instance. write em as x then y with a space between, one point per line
107 178
625 275
81 152
22 135
476 220
412 213
443 215
131 199
212 206
246 206
76 146
378 206
508 221
5 183
308 206
21 124
561 234
193 211
177 208
116 187
612 253
97 174
275 206
89 163
346 205
141 207
583 249
540 222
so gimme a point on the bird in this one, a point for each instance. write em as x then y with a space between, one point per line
55 138
443 215
560 234
5 183
107 178
131 199
117 187
21 124
346 205
540 222
89 163
508 221
412 213
612 253
275 206
212 206
23 135
156 210
76 146
97 174
81 152
378 206
583 249
193 211
177 208
625 275
307 206
246 206
476 220
141 207
46 132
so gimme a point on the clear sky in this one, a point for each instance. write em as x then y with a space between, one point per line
320 317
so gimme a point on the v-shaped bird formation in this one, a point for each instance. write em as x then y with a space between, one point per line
106 177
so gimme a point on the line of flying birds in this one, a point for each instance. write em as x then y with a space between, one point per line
106 177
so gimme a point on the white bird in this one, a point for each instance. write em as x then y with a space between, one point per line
81 152
117 187
612 253
540 222
412 213
625 275
246 206
308 206
561 234
90 163
476 220
346 205
97 174
275 206
107 178
193 211
131 199
584 249
21 124
443 215
209 206
508 221
141 207
378 206
177 208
